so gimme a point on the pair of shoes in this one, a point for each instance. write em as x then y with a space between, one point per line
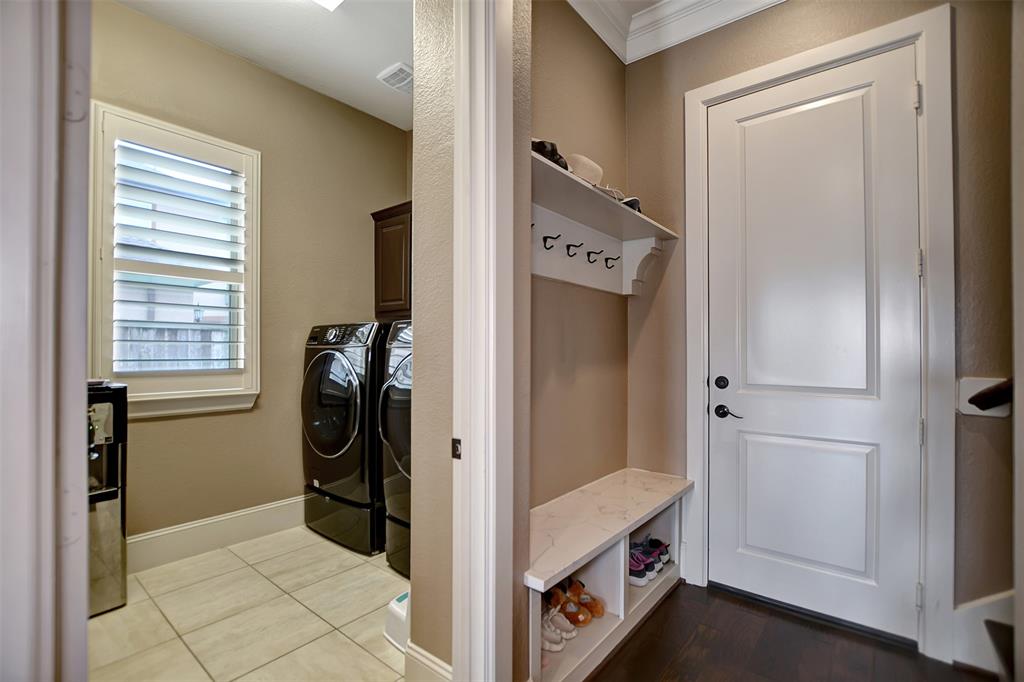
577 591
555 630
646 559
560 602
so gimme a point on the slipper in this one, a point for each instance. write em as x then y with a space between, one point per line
573 612
578 592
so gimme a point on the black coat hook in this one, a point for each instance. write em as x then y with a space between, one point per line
592 255
610 262
547 237
570 249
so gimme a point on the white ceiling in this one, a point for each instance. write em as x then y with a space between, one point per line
336 53
635 29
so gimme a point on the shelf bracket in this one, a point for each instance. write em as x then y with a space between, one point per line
637 256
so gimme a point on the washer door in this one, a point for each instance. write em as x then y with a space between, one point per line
330 404
396 418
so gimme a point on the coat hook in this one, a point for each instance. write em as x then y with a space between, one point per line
610 262
547 237
570 249
592 255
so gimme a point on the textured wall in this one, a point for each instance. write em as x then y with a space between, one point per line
325 167
523 249
655 89
432 196
579 392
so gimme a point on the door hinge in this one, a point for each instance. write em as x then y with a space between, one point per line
919 596
920 262
918 95
456 448
921 432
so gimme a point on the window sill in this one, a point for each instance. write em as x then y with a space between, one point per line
149 405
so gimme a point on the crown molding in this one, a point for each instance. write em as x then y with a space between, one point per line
603 23
664 24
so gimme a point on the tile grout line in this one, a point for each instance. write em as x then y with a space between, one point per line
181 636
401 674
290 651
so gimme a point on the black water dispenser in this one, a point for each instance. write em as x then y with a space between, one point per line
107 451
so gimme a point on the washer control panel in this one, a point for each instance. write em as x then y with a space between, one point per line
340 334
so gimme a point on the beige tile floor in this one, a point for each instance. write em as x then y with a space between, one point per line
286 606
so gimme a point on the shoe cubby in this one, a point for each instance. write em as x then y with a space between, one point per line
586 534
664 526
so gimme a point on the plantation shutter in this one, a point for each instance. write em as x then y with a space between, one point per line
179 263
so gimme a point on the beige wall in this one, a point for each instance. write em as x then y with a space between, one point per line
325 166
432 197
578 388
655 89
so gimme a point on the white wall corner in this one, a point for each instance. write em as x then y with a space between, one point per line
971 642
603 24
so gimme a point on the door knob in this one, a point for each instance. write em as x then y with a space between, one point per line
722 411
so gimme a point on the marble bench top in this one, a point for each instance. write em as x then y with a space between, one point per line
570 530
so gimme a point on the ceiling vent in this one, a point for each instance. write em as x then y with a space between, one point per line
397 76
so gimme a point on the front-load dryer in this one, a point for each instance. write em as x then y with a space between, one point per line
340 449
395 434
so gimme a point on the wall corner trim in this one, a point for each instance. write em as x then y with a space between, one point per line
164 545
426 667
971 643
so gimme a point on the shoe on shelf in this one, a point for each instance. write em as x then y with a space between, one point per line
550 634
557 619
647 562
578 592
637 573
573 612
656 545
652 555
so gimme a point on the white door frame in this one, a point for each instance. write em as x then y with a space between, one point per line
930 33
44 137
482 409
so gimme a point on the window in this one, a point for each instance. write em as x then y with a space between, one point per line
175 282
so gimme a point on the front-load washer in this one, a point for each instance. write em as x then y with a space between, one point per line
395 434
340 448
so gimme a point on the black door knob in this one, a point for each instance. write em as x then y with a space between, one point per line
722 411
722 382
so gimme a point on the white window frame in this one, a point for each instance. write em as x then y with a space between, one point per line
168 394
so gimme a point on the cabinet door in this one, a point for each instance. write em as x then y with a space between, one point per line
393 262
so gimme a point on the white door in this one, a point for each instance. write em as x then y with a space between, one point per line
814 306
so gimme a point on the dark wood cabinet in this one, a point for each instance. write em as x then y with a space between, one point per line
392 249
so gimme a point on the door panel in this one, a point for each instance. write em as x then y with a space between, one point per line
810 502
814 317
807 245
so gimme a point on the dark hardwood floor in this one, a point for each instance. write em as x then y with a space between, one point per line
701 634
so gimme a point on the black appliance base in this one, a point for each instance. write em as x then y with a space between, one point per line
397 544
358 528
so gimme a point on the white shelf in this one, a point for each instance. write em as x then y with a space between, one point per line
562 663
571 530
571 212
637 597
562 192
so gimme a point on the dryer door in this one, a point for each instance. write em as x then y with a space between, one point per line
330 404
396 432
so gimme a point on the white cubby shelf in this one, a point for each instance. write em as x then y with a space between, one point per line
593 240
586 533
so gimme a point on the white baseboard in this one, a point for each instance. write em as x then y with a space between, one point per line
971 643
423 666
165 545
